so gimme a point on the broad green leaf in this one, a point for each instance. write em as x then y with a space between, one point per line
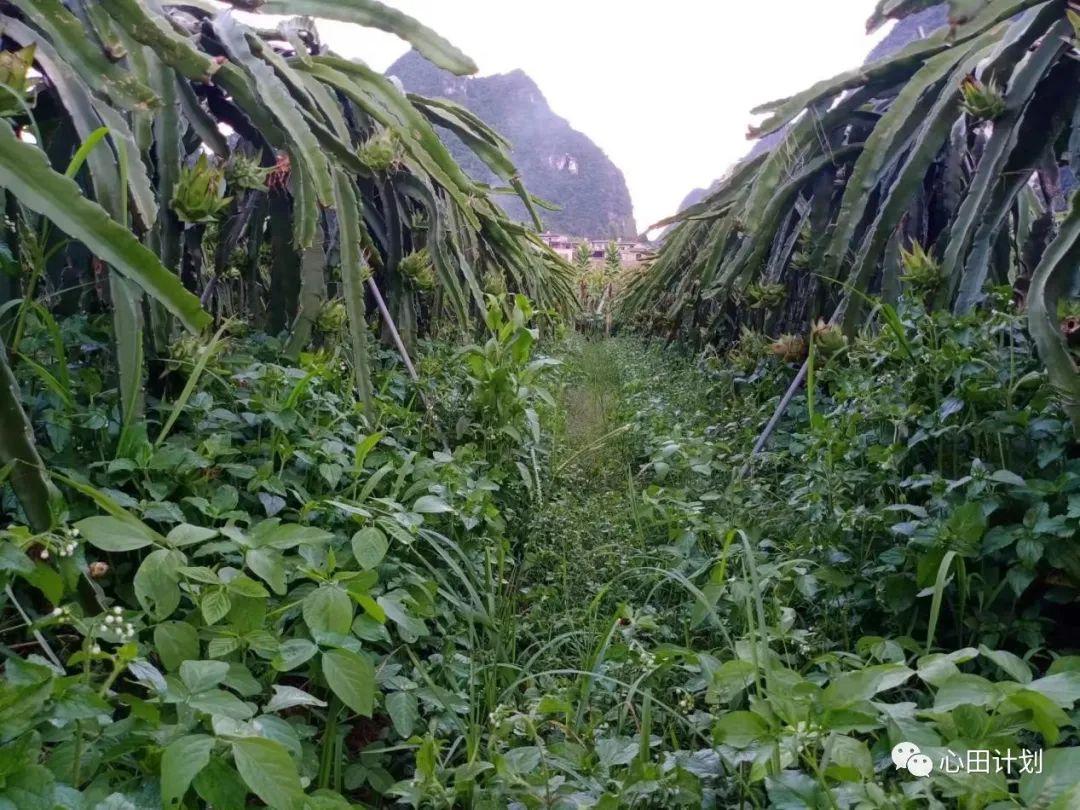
1013 665
157 582
409 627
220 786
404 712
269 772
187 535
740 729
115 801
180 764
1060 777
242 585
222 645
219 703
1046 717
848 759
328 609
370 606
369 546
215 604
286 697
970 690
1062 688
113 534
796 790
292 653
937 668
431 505
200 573
351 677
852 687
198 676
268 565
1007 477
282 536
523 760
176 642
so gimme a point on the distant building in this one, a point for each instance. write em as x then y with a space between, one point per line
631 251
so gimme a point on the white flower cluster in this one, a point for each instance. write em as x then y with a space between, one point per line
66 547
645 659
126 630
501 713
61 613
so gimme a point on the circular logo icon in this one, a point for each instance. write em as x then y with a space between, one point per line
907 756
902 752
920 765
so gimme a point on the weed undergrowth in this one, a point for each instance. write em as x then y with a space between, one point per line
531 584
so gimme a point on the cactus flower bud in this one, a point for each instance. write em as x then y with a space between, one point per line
199 195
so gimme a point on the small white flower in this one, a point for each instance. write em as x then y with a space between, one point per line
96 650
57 611
44 554
76 533
129 629
117 611
110 619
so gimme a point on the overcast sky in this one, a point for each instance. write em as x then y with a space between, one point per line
664 88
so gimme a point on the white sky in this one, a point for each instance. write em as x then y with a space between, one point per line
664 88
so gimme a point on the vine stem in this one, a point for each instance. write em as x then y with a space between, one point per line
40 639
329 746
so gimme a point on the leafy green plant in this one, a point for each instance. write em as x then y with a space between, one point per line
909 132
253 583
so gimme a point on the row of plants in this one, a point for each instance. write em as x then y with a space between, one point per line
491 596
959 149
178 165
899 566
254 522
270 592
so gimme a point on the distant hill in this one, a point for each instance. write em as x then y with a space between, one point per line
557 163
